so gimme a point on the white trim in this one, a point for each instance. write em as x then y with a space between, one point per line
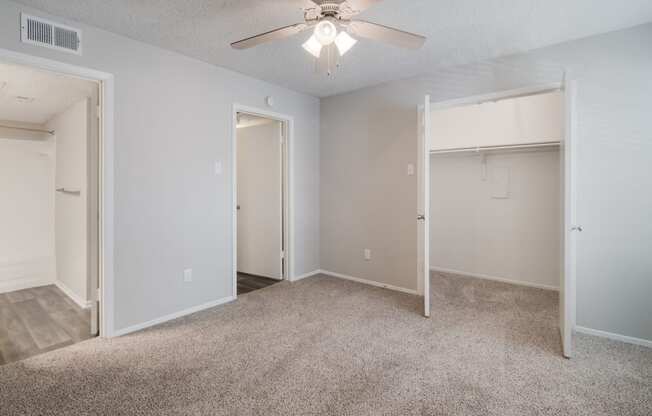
369 282
175 315
106 177
612 336
84 304
305 276
20 284
493 278
288 197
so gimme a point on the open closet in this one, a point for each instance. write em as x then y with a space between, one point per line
494 194
495 190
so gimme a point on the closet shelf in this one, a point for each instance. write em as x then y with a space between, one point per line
478 149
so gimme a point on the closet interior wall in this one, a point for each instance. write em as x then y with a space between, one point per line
495 190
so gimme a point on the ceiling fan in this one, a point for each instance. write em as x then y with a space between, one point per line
335 29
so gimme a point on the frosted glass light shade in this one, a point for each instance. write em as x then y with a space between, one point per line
344 43
325 32
313 46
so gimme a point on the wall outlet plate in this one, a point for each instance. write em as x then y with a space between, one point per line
367 254
187 275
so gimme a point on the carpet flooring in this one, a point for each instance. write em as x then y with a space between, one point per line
325 346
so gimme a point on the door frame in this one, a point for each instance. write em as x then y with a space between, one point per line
569 198
287 198
104 245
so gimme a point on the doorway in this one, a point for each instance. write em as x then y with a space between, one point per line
49 249
261 199
496 194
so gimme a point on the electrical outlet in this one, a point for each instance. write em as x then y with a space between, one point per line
187 275
218 168
367 254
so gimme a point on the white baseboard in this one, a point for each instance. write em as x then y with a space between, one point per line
369 282
612 336
82 303
175 315
494 278
304 276
20 284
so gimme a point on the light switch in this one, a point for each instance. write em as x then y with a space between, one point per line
218 168
410 169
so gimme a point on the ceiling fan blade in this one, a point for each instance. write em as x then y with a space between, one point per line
386 34
361 5
272 35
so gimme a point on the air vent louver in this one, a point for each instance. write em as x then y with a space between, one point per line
38 31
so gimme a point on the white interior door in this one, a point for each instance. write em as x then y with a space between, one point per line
259 192
423 204
570 227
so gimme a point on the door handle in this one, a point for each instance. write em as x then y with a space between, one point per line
238 207
577 228
421 217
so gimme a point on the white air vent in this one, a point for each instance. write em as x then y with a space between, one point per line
41 32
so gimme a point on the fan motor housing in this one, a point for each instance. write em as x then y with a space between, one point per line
330 9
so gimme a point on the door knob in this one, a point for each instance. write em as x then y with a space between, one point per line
238 207
421 217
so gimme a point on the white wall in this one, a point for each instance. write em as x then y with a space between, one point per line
369 136
71 220
26 213
259 198
172 123
474 230
531 119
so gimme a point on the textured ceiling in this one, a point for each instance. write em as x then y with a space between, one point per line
47 94
458 31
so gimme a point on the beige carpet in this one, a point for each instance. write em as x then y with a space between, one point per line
325 346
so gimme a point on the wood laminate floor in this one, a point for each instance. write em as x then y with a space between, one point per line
38 320
248 283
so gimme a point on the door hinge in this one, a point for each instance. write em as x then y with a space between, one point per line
282 254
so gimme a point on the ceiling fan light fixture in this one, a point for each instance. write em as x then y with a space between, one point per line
313 46
325 32
344 42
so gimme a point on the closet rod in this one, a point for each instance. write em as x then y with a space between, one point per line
50 132
503 147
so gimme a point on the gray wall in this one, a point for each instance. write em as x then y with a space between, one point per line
369 136
172 122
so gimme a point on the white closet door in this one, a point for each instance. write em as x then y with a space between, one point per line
259 190
570 227
423 204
